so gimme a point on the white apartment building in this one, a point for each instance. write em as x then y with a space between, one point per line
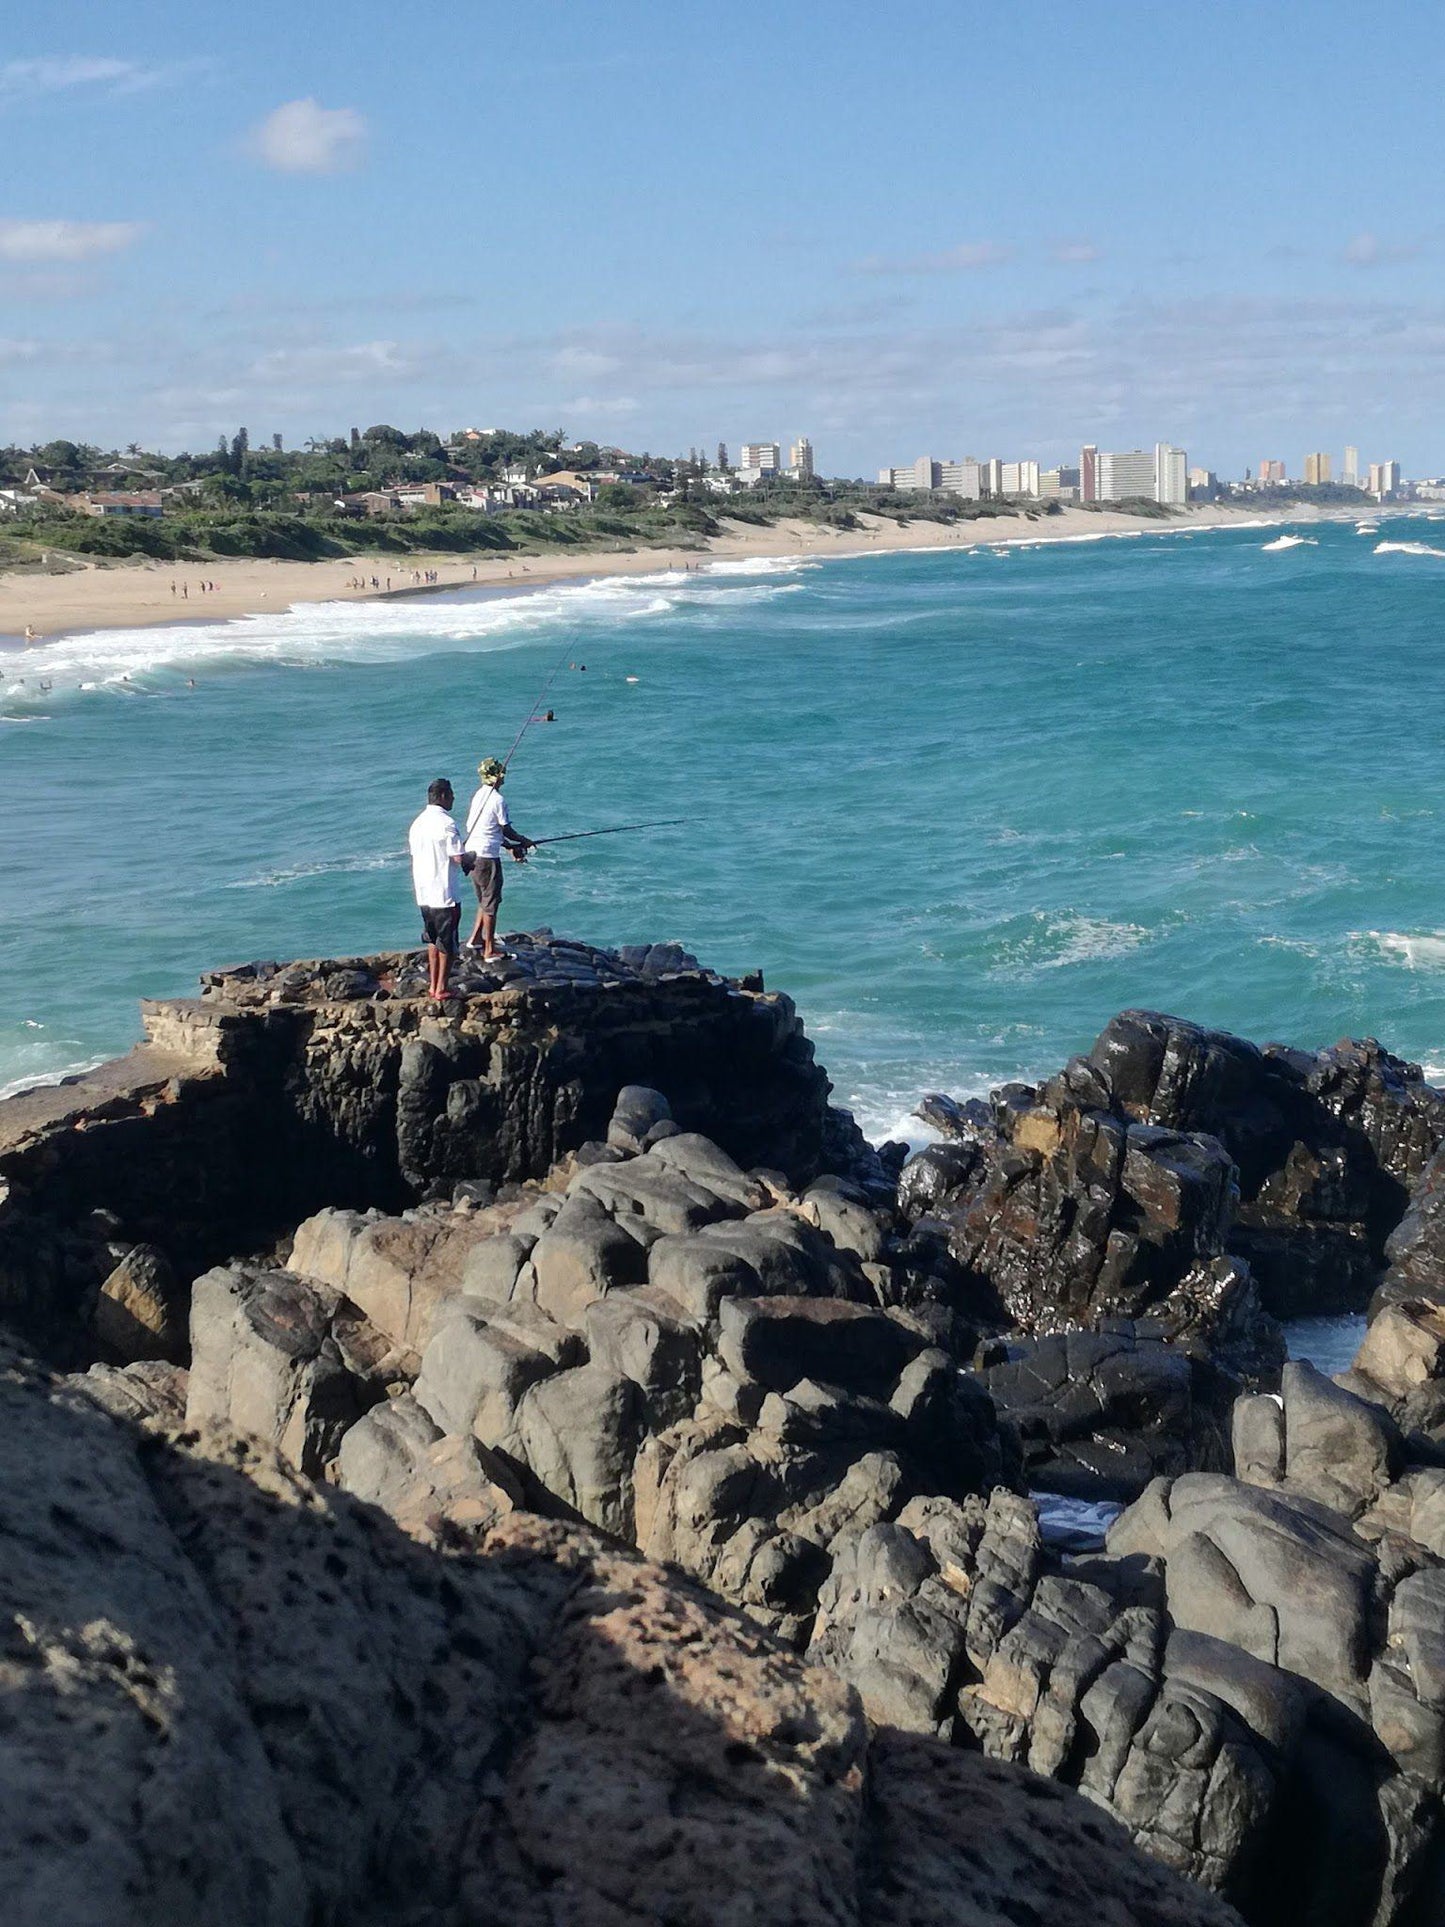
765 457
1384 478
963 478
1125 473
1018 478
924 473
1171 475
1350 473
800 460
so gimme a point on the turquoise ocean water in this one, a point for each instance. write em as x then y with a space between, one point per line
962 806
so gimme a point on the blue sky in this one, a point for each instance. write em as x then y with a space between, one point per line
958 229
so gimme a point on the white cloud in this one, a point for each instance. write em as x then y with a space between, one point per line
28 241
21 78
964 258
303 137
1076 253
1369 251
364 361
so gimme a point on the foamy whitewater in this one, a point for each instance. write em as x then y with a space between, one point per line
963 806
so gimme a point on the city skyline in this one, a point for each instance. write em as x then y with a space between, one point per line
257 218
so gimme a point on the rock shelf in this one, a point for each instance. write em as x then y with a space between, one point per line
534 1456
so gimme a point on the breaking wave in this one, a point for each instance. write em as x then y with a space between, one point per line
1407 548
133 662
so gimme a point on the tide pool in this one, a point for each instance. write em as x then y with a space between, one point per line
962 806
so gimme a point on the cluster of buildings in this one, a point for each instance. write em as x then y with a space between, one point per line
1103 475
1382 480
759 460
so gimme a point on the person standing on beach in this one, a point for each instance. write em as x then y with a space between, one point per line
436 847
489 831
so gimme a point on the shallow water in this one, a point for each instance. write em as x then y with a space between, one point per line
963 806
1329 1344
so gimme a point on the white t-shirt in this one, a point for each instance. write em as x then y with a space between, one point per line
485 821
435 844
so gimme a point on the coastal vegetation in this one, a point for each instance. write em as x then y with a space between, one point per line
334 498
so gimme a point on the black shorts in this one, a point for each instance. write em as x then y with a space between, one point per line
487 882
440 926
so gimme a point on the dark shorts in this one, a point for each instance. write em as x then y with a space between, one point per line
487 882
440 927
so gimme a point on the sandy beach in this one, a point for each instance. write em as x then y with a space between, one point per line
130 595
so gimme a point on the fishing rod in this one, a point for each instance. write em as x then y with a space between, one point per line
532 717
618 829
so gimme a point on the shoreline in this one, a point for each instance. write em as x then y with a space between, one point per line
131 595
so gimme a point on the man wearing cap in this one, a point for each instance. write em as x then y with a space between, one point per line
436 849
489 830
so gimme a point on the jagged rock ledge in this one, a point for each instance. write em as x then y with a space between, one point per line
544 1315
282 1088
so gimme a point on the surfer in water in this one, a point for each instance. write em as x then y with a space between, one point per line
489 831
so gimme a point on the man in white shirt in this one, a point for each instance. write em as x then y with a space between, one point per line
489 831
436 848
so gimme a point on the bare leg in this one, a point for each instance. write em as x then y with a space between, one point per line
433 969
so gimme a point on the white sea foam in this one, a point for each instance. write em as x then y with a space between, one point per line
1062 941
747 565
1407 548
1415 951
313 635
1092 939
1290 542
330 866
43 1080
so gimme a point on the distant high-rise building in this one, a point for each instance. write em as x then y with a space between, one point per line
1350 473
722 454
992 476
800 459
1125 475
1384 479
1018 478
1171 475
962 478
1271 471
924 473
765 457
1088 473
1317 469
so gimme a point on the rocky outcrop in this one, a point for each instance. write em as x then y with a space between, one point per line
231 1696
1241 1681
283 1089
1098 1193
692 1356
